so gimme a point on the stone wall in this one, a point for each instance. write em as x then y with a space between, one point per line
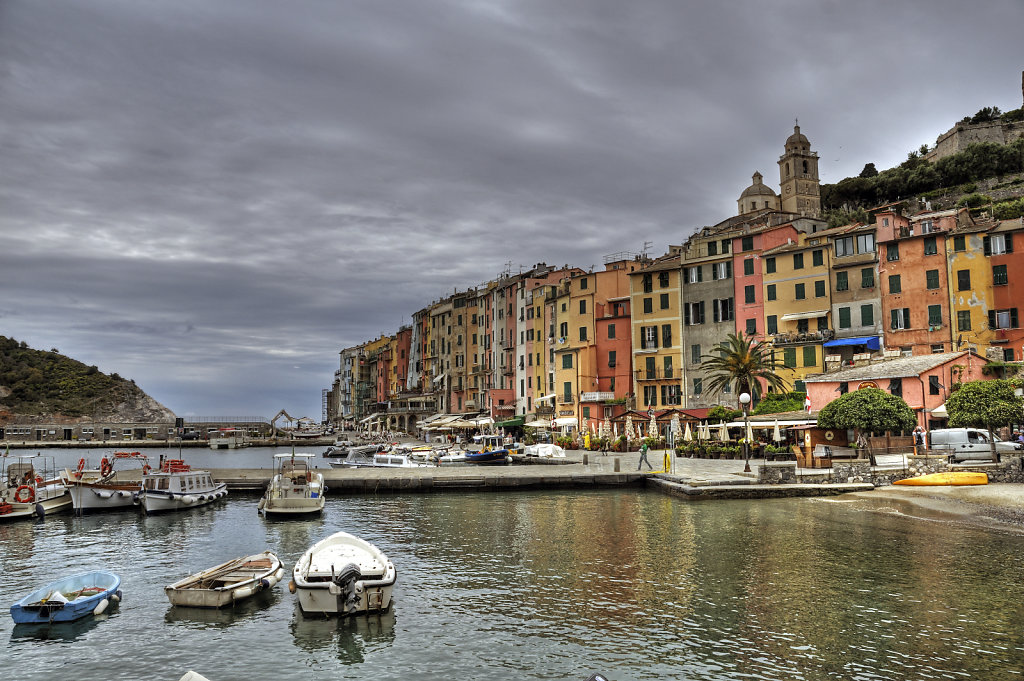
961 135
777 473
1009 469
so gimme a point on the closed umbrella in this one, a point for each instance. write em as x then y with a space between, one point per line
723 432
652 427
776 433
687 435
750 433
629 427
606 428
615 431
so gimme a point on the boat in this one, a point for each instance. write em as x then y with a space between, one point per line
946 478
98 489
295 489
381 460
228 438
29 489
343 575
175 486
69 598
492 452
544 451
228 582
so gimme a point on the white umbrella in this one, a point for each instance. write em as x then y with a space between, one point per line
652 427
687 435
750 432
629 427
606 428
776 434
723 432
615 431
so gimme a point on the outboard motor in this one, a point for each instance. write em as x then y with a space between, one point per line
348 580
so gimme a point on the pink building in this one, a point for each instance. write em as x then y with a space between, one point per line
923 381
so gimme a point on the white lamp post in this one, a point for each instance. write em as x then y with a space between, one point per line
745 404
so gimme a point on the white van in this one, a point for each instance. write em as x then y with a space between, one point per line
969 443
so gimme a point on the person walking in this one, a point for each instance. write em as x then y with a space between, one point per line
643 458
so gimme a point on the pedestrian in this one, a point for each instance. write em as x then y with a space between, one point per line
643 458
918 439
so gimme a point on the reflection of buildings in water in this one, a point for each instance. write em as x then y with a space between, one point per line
355 637
18 540
221 618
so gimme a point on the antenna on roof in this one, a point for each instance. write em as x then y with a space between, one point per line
647 244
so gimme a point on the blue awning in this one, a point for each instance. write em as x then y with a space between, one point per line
871 341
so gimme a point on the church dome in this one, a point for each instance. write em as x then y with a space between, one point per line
797 141
758 188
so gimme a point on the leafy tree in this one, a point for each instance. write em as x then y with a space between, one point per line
985 404
741 363
776 403
869 170
720 413
868 410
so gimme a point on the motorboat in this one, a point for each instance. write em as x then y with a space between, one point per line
228 438
29 489
544 451
99 489
392 459
354 455
492 451
175 486
295 489
69 598
343 575
228 582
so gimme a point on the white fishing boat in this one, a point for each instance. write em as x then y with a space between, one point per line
380 460
175 486
101 489
30 488
343 575
228 582
295 489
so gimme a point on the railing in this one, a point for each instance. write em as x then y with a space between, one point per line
655 374
807 337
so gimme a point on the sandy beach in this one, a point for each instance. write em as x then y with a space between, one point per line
995 506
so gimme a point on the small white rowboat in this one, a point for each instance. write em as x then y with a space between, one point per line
228 582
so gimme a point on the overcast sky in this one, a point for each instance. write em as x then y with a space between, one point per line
214 197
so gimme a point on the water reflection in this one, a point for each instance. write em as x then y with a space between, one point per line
219 618
62 631
352 639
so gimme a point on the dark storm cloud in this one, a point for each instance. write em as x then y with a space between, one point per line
215 197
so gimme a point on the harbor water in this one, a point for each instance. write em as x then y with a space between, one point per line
541 585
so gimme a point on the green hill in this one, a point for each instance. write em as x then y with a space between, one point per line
37 383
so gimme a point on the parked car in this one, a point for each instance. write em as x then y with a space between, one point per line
969 443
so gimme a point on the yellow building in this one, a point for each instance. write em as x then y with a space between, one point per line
797 307
970 286
657 333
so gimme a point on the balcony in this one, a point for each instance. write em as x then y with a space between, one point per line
656 374
803 338
566 399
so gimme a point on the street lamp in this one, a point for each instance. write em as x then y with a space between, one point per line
745 402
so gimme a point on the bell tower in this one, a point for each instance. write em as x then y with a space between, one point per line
798 176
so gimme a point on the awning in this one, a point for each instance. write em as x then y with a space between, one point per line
439 377
537 424
371 416
510 423
940 412
482 421
565 421
803 315
872 342
546 397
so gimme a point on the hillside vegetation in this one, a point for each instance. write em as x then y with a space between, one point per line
956 174
41 383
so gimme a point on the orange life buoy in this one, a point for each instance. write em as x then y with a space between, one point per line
29 499
146 468
81 465
105 467
39 479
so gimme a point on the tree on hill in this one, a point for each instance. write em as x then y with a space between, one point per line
869 170
868 410
985 404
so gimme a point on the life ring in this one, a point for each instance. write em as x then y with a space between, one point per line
39 479
829 435
105 467
81 466
29 499
146 468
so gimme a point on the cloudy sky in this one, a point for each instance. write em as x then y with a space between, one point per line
213 197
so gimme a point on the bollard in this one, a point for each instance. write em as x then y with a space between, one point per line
586 459
616 464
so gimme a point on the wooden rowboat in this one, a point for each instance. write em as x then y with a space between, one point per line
228 582
948 478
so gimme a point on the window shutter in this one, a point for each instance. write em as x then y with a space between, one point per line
714 311
701 321
1013 318
895 319
988 245
714 271
1009 242
991 319
700 273
906 318
666 336
686 314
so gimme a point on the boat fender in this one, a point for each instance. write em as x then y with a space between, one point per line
263 502
265 583
202 497
188 499
40 511
116 596
124 494
291 586
101 606
135 498
104 494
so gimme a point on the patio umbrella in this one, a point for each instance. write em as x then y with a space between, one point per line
750 432
652 427
776 434
687 435
606 428
629 427
723 432
615 431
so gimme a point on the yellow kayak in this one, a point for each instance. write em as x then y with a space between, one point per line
950 478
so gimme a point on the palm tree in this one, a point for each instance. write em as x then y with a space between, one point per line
741 363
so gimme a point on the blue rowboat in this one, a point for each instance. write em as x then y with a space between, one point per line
494 457
68 599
